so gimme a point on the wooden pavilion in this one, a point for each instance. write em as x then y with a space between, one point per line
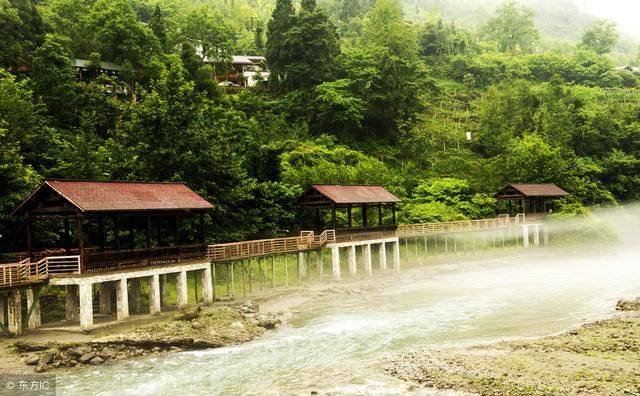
347 197
531 198
118 224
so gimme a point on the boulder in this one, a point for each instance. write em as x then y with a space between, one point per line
86 358
628 305
41 368
31 360
237 326
47 359
197 325
268 321
96 361
189 313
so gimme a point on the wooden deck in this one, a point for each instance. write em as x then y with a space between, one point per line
29 272
410 230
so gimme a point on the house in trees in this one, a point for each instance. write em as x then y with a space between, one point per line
535 200
245 71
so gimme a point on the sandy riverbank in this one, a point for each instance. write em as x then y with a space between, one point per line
600 358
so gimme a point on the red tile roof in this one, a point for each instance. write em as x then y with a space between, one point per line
540 190
101 196
341 194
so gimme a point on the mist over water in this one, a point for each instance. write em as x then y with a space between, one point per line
335 346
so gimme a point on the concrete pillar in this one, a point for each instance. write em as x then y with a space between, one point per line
366 255
154 294
320 264
134 294
302 269
106 298
207 285
122 297
71 303
536 235
34 319
382 252
14 312
525 235
163 290
396 256
86 305
335 262
2 310
181 286
353 268
545 235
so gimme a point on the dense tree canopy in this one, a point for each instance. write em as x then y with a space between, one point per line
360 91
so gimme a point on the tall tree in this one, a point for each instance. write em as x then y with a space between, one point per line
600 37
278 26
512 28
21 30
158 26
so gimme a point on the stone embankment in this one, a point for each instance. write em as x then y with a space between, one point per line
195 328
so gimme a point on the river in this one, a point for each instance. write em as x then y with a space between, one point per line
335 346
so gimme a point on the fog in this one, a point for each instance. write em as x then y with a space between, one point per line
624 12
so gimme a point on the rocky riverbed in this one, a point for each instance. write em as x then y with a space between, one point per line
194 328
600 358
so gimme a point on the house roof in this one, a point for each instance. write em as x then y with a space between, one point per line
532 190
346 195
106 196
84 63
247 60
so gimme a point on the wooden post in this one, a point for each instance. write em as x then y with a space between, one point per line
148 240
81 245
349 216
67 239
29 240
333 216
380 214
177 230
393 213
159 230
365 216
318 225
101 233
203 238
116 232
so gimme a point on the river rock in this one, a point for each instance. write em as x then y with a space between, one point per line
96 361
86 358
47 359
31 360
268 322
189 314
628 305
237 326
41 368
77 352
175 349
156 349
197 325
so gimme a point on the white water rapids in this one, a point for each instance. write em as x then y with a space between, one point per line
334 347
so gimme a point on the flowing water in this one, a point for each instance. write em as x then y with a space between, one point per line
335 346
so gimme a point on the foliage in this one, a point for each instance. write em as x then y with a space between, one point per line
512 29
600 37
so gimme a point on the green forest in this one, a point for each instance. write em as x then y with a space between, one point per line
361 91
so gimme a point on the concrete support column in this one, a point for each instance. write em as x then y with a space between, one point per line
335 262
366 255
302 269
525 235
34 319
154 294
134 294
106 297
545 235
396 256
71 303
353 268
207 285
2 310
163 290
382 252
181 286
86 305
536 235
14 311
122 297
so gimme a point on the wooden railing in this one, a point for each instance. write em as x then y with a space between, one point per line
264 247
27 271
117 260
407 230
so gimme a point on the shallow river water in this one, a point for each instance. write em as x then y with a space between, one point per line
336 347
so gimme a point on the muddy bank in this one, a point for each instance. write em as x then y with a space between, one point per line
600 358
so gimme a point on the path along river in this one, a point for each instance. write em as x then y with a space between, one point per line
335 346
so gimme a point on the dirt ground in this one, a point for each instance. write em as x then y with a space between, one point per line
601 358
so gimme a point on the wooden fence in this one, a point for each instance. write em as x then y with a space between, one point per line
408 230
27 271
